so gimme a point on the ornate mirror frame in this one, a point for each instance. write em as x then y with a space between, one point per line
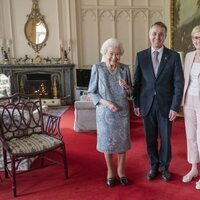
35 17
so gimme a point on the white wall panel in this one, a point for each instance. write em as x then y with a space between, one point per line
123 2
140 2
155 16
106 2
155 2
89 39
88 2
140 31
127 20
106 25
123 33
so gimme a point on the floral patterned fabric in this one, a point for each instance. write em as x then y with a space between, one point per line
113 128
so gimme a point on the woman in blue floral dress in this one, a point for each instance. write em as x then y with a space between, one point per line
110 84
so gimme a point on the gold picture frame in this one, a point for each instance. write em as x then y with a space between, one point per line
184 16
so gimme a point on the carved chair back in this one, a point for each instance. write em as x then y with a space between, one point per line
20 116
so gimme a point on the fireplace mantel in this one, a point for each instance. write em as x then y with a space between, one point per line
63 71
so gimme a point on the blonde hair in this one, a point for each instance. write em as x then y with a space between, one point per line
196 29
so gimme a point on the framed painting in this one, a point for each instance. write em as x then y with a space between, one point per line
185 15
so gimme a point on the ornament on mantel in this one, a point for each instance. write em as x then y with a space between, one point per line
66 58
38 59
65 49
57 60
47 60
27 60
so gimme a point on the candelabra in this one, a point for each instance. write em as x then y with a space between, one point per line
66 55
6 51
65 52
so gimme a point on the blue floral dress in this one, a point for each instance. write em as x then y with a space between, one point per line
113 128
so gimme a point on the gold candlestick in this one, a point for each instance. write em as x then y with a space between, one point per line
55 92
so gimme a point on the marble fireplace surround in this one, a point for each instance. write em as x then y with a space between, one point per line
61 73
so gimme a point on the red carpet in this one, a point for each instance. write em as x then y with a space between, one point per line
87 171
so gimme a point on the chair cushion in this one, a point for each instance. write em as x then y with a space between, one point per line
34 143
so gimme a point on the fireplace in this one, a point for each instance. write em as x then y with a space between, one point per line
49 81
43 83
36 83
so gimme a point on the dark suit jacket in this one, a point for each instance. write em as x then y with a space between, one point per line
167 86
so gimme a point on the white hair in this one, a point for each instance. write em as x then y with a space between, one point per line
113 43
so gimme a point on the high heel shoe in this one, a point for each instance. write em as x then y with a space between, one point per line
123 180
111 182
188 177
198 185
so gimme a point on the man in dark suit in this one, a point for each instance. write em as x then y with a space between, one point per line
158 88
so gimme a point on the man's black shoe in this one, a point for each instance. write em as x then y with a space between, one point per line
166 175
152 174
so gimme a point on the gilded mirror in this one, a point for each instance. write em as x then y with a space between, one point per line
35 29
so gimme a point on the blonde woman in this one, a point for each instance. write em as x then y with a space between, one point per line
191 105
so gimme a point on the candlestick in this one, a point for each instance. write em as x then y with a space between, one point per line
8 43
61 44
1 42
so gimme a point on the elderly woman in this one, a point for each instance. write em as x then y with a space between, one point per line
110 84
191 106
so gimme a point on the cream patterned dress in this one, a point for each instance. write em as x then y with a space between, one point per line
113 128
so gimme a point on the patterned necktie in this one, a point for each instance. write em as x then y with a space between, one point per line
155 62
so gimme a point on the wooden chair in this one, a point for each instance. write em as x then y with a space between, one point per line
26 132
